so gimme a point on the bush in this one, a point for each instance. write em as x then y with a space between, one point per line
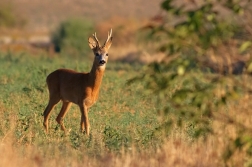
71 36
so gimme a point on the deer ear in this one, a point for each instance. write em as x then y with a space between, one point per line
108 43
92 43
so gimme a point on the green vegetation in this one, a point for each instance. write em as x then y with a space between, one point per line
192 92
123 116
71 35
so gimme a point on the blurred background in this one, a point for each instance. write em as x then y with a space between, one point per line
62 26
48 14
34 25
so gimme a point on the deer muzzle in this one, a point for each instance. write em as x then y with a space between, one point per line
102 62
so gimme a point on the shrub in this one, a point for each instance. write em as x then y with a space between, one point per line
71 36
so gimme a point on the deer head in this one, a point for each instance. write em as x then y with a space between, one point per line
100 52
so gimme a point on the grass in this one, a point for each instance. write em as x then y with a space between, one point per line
123 122
122 117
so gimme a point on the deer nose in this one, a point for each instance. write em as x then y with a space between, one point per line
102 62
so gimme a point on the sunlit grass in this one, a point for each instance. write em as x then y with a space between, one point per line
124 121
122 117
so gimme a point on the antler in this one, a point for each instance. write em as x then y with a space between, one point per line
96 39
109 36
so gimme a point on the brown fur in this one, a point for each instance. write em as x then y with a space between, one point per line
79 88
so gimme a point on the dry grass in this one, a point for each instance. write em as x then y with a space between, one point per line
133 53
175 152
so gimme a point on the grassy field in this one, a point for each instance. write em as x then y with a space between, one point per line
123 117
123 122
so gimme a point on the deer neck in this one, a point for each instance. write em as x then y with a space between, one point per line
96 75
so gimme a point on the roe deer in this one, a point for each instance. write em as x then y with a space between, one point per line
79 88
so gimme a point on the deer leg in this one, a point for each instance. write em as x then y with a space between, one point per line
47 112
84 119
64 109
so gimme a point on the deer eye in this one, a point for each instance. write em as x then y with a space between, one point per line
107 54
97 54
